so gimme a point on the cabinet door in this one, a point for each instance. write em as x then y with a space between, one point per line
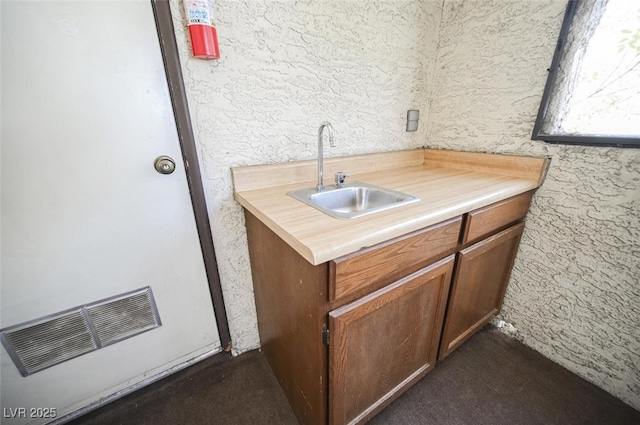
384 342
481 278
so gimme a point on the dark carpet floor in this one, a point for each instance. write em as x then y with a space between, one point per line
491 379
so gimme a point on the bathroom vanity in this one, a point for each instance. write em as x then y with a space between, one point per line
351 313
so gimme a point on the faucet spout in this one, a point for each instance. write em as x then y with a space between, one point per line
332 142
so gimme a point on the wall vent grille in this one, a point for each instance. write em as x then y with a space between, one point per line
44 342
125 317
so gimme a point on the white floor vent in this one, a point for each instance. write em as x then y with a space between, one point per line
41 343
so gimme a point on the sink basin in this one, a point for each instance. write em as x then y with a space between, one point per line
353 200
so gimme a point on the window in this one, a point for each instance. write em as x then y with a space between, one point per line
592 95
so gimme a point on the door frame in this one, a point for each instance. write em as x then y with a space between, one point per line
175 82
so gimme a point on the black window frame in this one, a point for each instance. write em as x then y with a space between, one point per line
585 140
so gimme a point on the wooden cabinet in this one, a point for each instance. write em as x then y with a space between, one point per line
481 278
486 221
384 342
383 308
346 337
483 269
292 306
357 274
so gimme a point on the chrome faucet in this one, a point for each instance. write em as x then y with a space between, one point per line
332 142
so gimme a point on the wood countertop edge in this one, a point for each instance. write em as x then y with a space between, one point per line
299 247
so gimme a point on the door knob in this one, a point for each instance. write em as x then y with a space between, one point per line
164 165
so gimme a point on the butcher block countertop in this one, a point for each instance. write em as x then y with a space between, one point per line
448 183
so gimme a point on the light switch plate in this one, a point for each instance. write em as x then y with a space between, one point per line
412 119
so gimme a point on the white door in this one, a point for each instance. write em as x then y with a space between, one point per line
85 216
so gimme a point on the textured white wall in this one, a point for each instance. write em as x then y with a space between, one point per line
574 294
286 66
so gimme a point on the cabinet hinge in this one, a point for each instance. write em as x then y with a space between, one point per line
325 334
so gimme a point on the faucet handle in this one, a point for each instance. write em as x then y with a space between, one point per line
340 177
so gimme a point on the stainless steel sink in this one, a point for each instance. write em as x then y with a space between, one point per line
353 200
